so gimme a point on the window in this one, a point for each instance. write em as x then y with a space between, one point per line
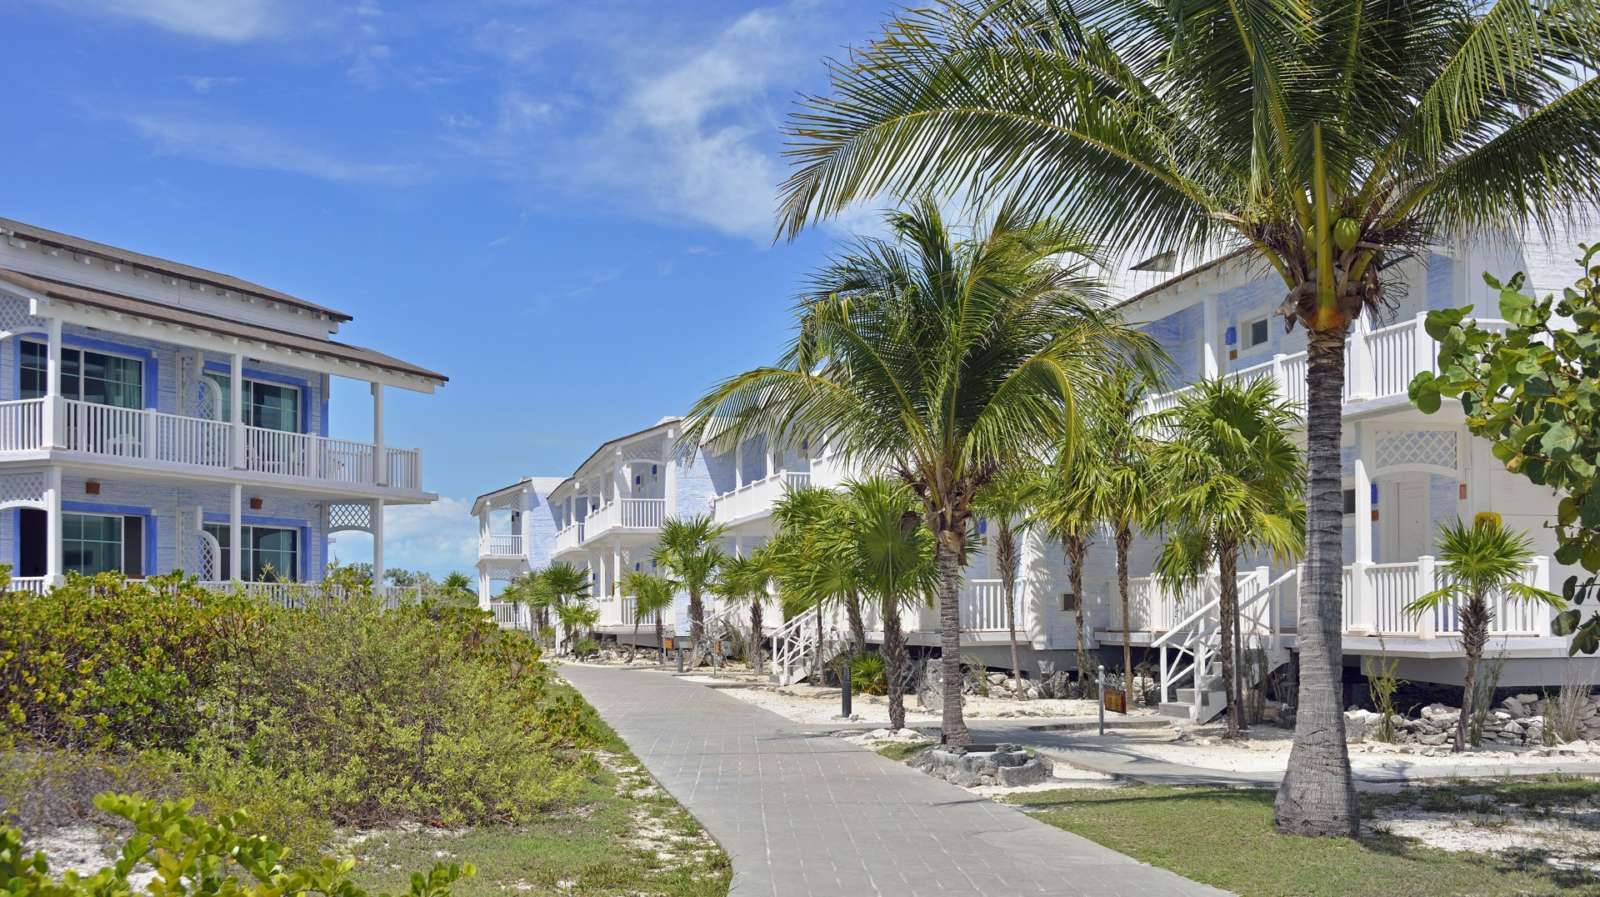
271 406
90 376
1256 333
102 543
1349 501
271 554
1069 602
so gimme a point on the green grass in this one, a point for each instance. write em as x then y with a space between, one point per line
902 751
1224 837
621 837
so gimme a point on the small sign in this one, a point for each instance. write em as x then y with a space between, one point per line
669 646
1116 701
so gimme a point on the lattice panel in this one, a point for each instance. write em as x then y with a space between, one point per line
14 317
25 488
351 516
1436 448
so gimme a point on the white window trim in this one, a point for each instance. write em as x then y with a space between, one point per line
143 369
1246 325
122 534
300 393
245 551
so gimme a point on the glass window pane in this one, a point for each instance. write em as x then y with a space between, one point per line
275 407
91 543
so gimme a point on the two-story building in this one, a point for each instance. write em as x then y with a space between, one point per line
156 416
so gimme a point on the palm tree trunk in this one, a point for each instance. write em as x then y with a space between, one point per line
633 649
1124 542
1227 614
1006 555
894 663
697 628
858 626
755 634
1474 636
1318 795
1077 547
661 639
948 544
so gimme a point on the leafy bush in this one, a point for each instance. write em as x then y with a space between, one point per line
101 662
365 716
868 676
190 855
585 647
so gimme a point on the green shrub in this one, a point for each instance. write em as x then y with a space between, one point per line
102 662
585 647
190 855
868 676
366 716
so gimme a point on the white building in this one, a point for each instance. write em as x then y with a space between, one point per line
1406 473
156 416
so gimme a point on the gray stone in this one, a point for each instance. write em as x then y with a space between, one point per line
1006 764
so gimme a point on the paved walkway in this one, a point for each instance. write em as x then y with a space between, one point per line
804 814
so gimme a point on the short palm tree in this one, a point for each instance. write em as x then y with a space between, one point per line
1125 491
1479 561
557 586
939 360
891 552
745 580
809 575
1231 478
456 588
1066 508
687 551
1007 502
652 596
1330 138
578 619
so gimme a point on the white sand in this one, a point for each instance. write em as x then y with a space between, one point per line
809 704
1567 837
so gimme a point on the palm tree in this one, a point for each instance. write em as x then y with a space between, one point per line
1125 488
1479 560
651 596
1231 481
1329 138
456 589
808 574
1008 502
1067 509
939 360
745 580
578 618
687 551
555 587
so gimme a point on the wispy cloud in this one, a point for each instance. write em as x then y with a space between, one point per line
208 83
229 21
436 538
245 145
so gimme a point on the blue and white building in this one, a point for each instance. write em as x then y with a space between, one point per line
156 416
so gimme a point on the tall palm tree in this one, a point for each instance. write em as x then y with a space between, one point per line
1329 138
688 552
745 580
1231 481
1007 501
938 360
1124 490
891 553
1479 560
652 596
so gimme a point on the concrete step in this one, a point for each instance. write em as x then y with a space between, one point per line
1211 704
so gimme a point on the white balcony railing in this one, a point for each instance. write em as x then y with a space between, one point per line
147 435
629 513
1379 364
501 545
570 537
757 496
983 606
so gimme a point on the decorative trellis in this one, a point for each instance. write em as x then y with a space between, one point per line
14 317
1417 449
200 552
349 516
24 489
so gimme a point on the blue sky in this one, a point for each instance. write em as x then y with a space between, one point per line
566 207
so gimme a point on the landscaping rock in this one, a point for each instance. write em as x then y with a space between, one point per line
1005 765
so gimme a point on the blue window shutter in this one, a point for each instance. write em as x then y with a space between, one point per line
1231 336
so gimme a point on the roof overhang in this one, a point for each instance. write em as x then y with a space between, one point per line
668 425
153 320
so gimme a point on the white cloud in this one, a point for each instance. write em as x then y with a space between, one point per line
243 145
229 21
208 83
437 538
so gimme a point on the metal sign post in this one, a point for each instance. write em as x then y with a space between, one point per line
1100 695
844 692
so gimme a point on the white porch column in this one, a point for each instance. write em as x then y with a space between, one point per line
483 589
669 487
527 525
738 464
738 545
1425 584
236 530
52 386
52 521
1364 600
770 469
616 571
377 543
1211 363
236 413
380 455
1360 378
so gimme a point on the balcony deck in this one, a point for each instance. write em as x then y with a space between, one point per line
502 546
147 439
756 498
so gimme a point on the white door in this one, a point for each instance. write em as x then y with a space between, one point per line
1410 533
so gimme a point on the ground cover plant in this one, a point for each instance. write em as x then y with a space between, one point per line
1238 850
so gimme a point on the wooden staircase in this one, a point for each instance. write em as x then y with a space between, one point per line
1191 681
